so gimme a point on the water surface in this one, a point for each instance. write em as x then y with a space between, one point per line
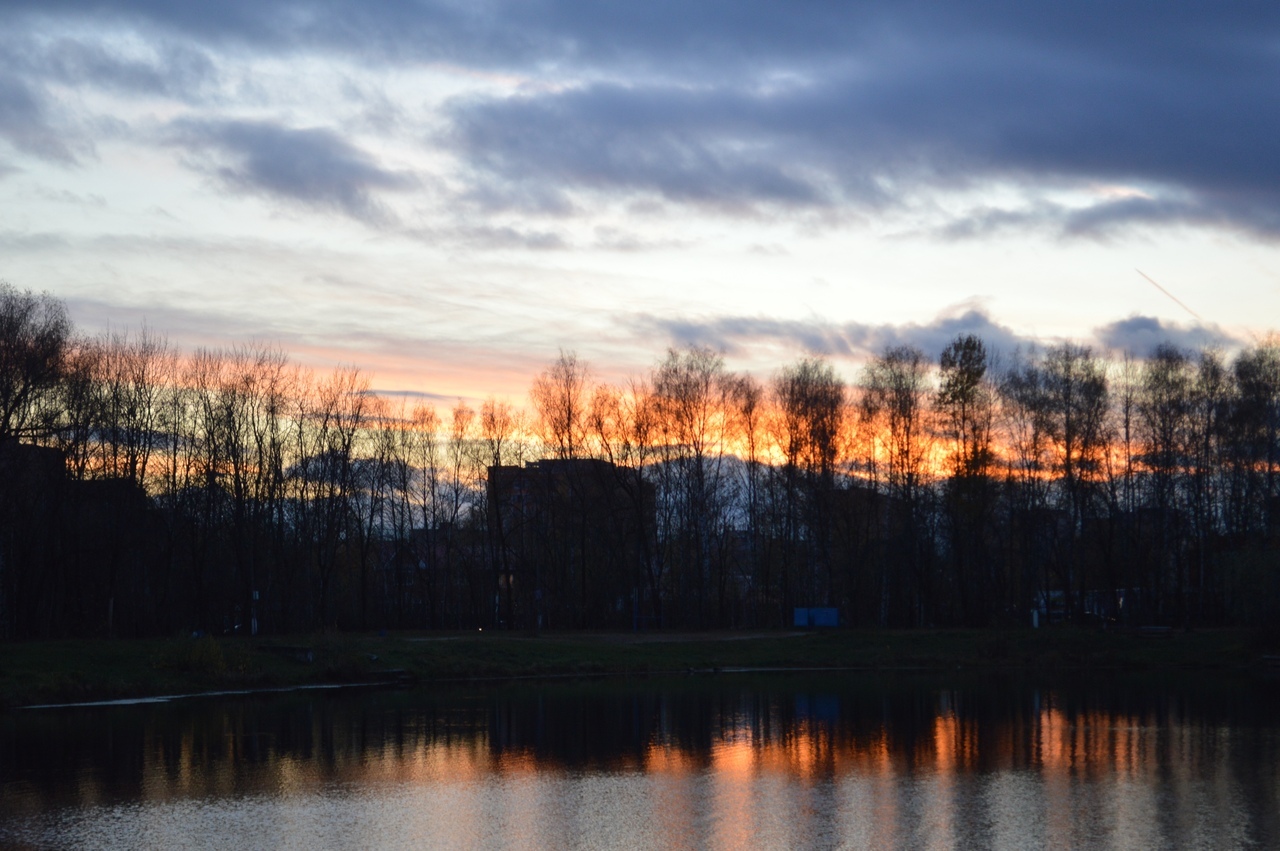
836 761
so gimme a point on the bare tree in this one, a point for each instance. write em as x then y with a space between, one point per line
966 405
79 406
1256 433
690 391
337 415
896 394
34 337
135 370
1164 407
1209 470
459 489
1076 404
427 458
500 424
749 410
560 400
500 428
629 417
895 404
810 401
1165 404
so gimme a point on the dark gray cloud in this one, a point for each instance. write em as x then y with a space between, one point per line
393 30
25 124
1099 220
713 38
37 123
312 166
1141 334
172 70
690 147
736 335
739 105
1256 212
881 138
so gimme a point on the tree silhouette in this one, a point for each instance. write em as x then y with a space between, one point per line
144 491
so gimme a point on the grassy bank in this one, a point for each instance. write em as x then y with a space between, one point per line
66 671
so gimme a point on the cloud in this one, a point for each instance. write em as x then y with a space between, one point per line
23 241
880 142
414 394
65 196
488 237
173 70
503 237
194 324
736 334
615 239
381 32
1141 334
687 147
25 124
757 105
314 167
1106 218
39 119
939 101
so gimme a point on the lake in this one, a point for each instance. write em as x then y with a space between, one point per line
835 760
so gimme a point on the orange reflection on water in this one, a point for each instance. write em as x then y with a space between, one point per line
517 763
734 766
674 810
660 758
955 744
938 769
1097 742
851 761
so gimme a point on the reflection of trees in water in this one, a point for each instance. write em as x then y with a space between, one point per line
815 733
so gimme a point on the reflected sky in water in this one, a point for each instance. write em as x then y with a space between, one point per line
728 762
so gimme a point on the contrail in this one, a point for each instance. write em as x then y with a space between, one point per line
1170 295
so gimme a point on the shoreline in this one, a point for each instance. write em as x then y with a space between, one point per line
49 674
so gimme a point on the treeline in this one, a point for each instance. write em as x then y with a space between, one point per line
144 491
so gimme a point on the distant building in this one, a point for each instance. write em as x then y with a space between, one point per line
74 553
572 539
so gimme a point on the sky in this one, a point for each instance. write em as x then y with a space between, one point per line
446 194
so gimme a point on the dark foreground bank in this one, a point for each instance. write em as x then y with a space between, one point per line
70 671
